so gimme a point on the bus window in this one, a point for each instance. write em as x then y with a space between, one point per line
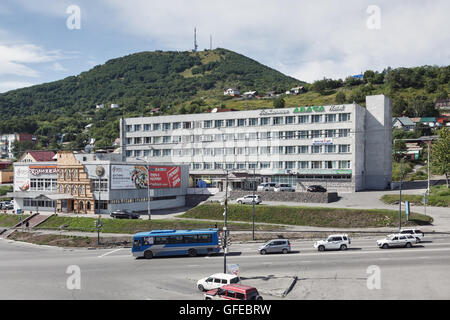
204 238
136 243
190 238
161 240
147 241
175 239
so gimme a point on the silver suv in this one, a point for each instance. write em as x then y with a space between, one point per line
281 187
249 199
334 242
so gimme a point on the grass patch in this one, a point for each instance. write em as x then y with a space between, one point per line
308 216
128 226
9 220
439 197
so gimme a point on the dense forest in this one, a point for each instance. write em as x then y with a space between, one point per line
192 82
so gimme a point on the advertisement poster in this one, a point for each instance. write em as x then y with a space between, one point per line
21 178
132 177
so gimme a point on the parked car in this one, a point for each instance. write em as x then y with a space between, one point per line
8 205
124 214
269 186
249 199
233 292
334 242
277 245
216 281
316 188
397 240
281 187
414 232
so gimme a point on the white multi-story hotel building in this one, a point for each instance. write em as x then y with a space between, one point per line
343 147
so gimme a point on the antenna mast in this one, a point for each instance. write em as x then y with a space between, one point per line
195 40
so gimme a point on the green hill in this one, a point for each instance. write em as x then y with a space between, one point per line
192 82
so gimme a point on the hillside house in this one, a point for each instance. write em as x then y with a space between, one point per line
442 104
231 92
296 90
404 123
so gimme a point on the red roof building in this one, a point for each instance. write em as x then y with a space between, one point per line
37 156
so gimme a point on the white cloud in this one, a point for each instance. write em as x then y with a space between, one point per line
11 85
58 67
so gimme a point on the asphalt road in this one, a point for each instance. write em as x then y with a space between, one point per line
38 272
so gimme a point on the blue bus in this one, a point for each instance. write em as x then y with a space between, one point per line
158 243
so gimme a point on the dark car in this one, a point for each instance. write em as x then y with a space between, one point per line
316 188
124 214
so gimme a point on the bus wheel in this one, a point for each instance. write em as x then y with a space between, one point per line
148 254
192 253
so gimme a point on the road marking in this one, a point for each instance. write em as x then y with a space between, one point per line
194 265
105 254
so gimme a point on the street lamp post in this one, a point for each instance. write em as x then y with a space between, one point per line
253 203
148 186
400 202
225 230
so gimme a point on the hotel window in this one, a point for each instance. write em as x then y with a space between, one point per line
253 121
264 165
303 149
129 140
218 137
277 120
344 148
264 150
137 153
147 127
330 148
229 136
316 133
128 153
208 151
316 149
290 150
156 140
277 150
344 132
166 126
186 125
218 165
187 138
289 134
207 124
229 166
253 165
303 119
166 139
128 128
230 123
345 164
253 136
303 164
187 152
218 123
197 124
344 117
241 122
316 164
330 117
176 139
198 152
316 118
166 152
137 140
218 151
277 164
240 166
156 126
330 133
265 135
330 164
208 138
265 121
289 165
176 125
196 166
146 153
240 150
241 136
207 166
290 120
252 150
147 140
229 151
303 134
156 152
276 134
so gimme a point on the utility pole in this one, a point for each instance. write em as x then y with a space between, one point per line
400 202
428 163
253 203
225 230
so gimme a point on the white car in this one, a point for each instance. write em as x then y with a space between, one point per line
282 187
414 232
216 281
269 186
249 199
334 242
397 240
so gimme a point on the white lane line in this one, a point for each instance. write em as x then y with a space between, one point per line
105 254
193 265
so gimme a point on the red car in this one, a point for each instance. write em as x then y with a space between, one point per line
233 292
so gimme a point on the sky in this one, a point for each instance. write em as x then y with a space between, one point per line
48 40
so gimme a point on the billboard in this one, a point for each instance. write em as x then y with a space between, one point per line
136 177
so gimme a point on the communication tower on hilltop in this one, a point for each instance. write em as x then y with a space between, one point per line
195 40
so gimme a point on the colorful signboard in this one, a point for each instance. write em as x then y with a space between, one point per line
38 170
136 177
309 109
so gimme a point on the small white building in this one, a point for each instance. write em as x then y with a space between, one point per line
114 106
231 92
